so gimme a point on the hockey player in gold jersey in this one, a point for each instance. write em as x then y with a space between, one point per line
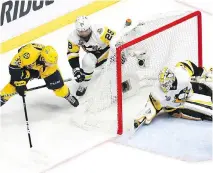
95 41
35 61
178 95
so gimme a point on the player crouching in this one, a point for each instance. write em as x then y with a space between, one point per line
178 96
35 61
95 42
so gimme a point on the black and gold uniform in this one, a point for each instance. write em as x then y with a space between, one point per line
35 61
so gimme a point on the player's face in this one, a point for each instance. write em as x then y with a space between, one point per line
48 64
84 33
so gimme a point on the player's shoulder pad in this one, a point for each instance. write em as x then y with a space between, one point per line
74 38
182 75
98 29
38 46
187 66
16 61
104 33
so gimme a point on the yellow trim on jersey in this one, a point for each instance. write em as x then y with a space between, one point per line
189 70
20 83
54 25
156 103
73 55
104 56
202 102
88 77
107 35
169 109
74 48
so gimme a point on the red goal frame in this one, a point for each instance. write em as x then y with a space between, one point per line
119 49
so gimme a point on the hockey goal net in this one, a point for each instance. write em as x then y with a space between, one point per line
145 48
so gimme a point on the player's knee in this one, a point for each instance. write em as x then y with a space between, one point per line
88 63
62 92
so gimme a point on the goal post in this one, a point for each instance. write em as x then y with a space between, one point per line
118 92
196 14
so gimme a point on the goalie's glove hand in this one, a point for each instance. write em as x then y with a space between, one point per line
78 74
20 87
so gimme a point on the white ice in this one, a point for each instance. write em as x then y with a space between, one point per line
60 147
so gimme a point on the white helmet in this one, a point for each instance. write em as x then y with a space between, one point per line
82 23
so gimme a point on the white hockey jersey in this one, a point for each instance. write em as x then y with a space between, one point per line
97 44
175 98
99 39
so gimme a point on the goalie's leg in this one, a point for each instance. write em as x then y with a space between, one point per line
201 88
199 107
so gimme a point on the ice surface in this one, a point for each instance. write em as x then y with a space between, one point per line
56 141
178 138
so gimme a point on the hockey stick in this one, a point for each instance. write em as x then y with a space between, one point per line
141 124
35 88
27 123
43 86
131 133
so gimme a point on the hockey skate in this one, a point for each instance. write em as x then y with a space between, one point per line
81 91
72 100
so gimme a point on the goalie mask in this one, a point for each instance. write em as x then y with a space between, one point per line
166 79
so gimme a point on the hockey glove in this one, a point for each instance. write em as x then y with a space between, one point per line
30 75
79 76
20 87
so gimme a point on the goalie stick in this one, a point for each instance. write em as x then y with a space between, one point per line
130 134
137 128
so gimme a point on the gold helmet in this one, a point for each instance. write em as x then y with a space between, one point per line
166 79
49 55
28 54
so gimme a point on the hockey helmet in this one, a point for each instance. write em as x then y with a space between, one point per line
28 54
83 26
166 79
49 55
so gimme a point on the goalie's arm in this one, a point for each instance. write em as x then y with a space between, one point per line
191 68
151 110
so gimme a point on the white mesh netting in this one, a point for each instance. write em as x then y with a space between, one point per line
166 48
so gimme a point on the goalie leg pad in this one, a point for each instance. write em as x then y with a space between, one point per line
201 88
194 115
199 106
